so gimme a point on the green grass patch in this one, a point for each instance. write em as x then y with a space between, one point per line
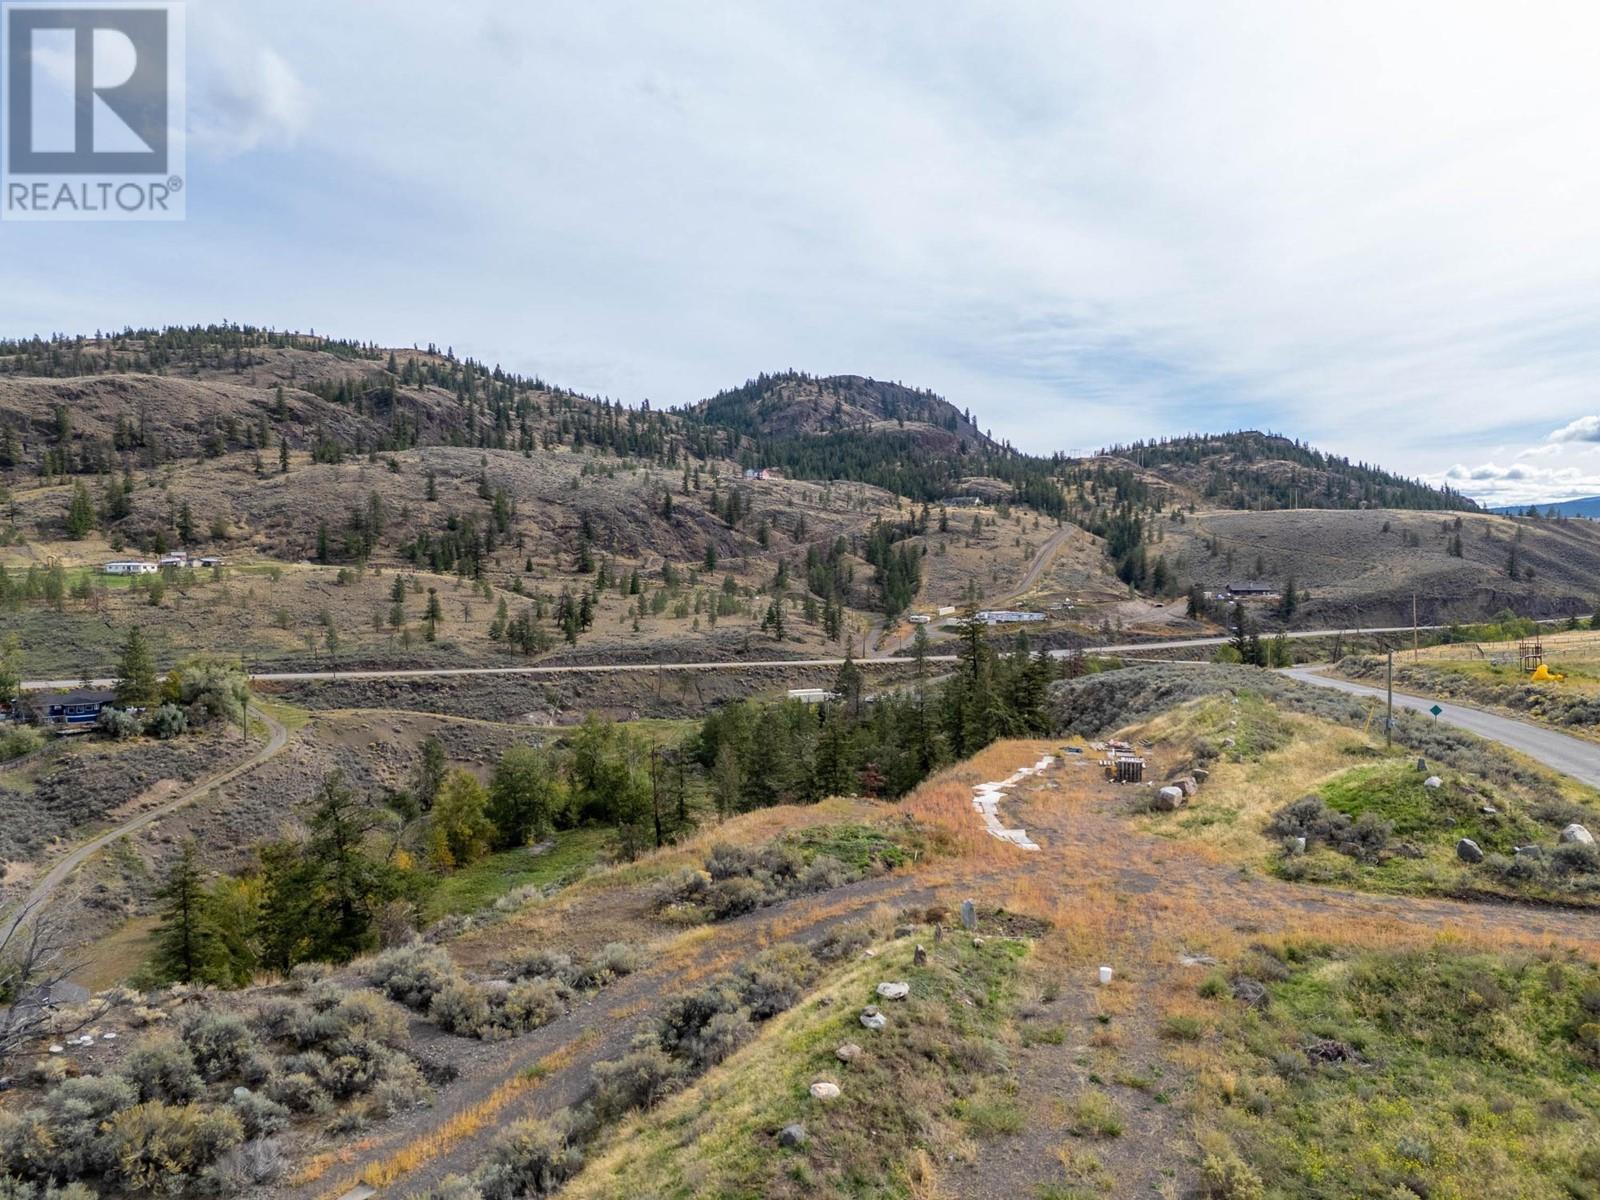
864 848
935 1073
1453 1075
1394 791
486 880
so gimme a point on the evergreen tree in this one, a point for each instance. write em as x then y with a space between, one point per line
136 672
430 773
80 513
187 948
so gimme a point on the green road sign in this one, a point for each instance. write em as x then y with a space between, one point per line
1436 711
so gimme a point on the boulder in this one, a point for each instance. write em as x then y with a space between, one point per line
1299 846
969 915
1530 851
848 1052
1186 785
920 957
873 1019
1252 993
1577 833
793 1136
1468 850
903 931
1433 781
824 1090
894 991
1201 774
1169 798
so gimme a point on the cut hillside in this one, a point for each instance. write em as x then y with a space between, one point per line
1252 470
1362 568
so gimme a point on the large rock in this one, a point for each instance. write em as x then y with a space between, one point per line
1577 833
1169 798
873 1019
1433 782
824 1090
848 1052
1186 785
894 991
969 915
1468 850
793 1136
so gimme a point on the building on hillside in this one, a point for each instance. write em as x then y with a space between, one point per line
963 502
1005 616
812 695
210 560
73 711
178 558
1251 589
762 473
919 618
130 567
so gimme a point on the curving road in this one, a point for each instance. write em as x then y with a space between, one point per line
41 892
1559 751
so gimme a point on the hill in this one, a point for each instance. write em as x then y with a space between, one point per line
1263 471
1587 506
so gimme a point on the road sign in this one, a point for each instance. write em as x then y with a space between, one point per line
1436 711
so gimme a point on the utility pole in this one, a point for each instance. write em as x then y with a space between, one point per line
1388 724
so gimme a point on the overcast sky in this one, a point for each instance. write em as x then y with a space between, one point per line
1372 226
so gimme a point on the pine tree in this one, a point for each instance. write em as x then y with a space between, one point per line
187 948
136 672
80 513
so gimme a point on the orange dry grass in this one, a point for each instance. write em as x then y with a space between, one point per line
384 1171
945 800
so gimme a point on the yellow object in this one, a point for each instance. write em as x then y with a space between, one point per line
1543 674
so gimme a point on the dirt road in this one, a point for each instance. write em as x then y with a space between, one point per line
45 888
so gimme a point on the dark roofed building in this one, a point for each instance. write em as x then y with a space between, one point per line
70 711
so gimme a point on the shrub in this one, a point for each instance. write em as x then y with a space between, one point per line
1228 1177
19 740
686 1018
533 1003
823 874
1576 858
304 975
162 1068
220 1043
369 1016
461 1008
721 1036
168 721
734 897
844 941
615 960
157 1147
776 979
1311 818
533 1158
251 1165
412 975
118 724
402 1088
729 862
640 1079
544 964
63 1137
298 1091
259 1116
682 887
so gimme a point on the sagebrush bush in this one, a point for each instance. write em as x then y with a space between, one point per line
532 1158
167 721
253 1164
162 1148
162 1068
686 1018
615 960
776 979
640 1079
544 964
118 724
260 1116
460 1007
219 1042
64 1135
533 1003
734 897
298 1091
412 975
845 940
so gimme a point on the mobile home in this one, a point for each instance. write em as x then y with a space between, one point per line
131 568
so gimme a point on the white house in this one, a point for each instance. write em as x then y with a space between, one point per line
812 695
178 558
919 618
1001 616
131 568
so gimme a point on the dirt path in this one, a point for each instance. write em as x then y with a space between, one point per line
44 888
1143 902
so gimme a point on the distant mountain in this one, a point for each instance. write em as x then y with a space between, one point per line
791 403
1264 471
1587 506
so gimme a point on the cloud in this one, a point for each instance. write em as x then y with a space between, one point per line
252 99
1584 429
1088 223
1520 483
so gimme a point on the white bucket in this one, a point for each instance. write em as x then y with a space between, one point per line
1105 976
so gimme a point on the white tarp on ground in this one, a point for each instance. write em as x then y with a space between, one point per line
986 799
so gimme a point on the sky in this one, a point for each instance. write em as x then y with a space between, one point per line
1374 227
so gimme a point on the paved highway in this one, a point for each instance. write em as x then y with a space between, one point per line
1559 751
